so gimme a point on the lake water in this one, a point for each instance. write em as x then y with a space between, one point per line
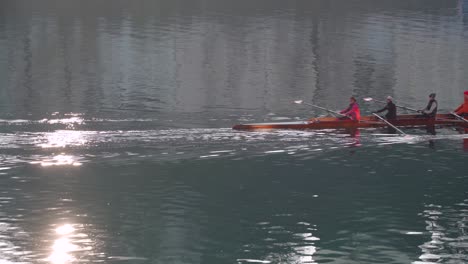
116 143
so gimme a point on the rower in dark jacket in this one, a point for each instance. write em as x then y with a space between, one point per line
390 108
430 111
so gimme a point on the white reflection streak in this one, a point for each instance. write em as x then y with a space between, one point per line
75 119
65 229
63 138
430 250
58 160
61 160
62 246
305 253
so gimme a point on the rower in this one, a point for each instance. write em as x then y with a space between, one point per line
352 112
462 110
430 110
391 109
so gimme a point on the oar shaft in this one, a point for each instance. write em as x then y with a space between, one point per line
406 108
325 109
388 123
459 117
399 106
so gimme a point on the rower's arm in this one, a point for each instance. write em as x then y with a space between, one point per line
346 110
381 110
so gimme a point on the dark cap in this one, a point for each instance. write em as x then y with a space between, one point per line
352 98
432 95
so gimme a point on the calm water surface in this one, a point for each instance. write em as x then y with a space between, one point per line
116 147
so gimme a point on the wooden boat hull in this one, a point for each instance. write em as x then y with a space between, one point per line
366 122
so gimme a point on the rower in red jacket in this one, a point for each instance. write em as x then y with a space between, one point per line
463 108
352 112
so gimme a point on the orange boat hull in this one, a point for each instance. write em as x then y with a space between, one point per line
366 122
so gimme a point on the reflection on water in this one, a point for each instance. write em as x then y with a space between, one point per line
261 197
66 245
115 132
12 238
299 248
73 147
58 160
447 233
64 138
222 58
60 251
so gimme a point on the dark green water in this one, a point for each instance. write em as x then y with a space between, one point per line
167 181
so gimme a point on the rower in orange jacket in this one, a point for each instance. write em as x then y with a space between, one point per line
463 108
352 112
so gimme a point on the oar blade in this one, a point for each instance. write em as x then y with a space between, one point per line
368 99
298 102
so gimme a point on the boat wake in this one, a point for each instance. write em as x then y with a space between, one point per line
75 143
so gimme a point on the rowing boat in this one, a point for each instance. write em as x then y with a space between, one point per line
365 122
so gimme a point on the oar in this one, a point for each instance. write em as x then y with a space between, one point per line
319 107
458 116
388 123
368 99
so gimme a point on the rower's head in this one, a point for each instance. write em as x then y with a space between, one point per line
389 99
432 95
352 99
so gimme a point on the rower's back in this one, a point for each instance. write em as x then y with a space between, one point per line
463 108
